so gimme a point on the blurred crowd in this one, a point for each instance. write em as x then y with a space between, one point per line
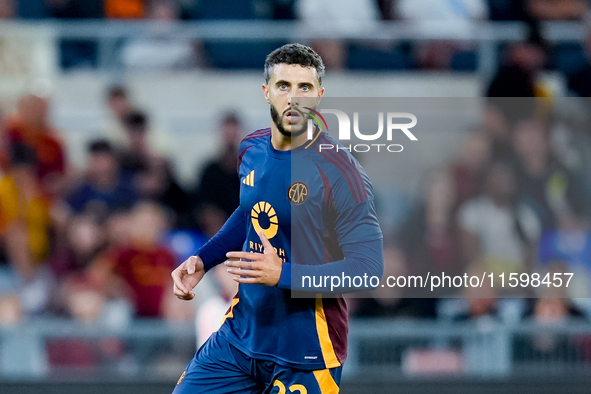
515 199
98 244
159 49
421 10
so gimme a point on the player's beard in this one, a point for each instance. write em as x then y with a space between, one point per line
278 120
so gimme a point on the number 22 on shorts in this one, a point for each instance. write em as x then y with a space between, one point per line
294 388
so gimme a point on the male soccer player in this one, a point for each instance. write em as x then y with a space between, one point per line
316 219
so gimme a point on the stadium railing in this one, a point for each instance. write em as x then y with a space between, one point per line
486 36
384 349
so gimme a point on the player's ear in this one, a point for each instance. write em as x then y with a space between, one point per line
320 94
266 92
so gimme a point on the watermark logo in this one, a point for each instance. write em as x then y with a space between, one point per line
316 116
393 120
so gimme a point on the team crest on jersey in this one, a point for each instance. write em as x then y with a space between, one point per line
297 193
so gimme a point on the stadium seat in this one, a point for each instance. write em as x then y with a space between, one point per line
366 58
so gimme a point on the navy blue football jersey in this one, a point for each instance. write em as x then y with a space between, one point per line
313 205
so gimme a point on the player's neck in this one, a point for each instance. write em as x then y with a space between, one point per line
282 142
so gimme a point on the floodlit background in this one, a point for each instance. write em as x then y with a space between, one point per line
119 124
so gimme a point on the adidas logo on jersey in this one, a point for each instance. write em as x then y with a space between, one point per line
249 179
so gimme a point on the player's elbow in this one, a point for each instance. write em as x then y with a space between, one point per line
376 267
374 261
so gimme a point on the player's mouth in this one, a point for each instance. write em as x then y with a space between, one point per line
292 116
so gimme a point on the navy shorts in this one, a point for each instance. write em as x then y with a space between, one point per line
220 368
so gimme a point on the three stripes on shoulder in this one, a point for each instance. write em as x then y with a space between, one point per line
249 179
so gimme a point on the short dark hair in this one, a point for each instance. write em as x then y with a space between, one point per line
294 54
135 121
116 91
22 155
231 118
100 146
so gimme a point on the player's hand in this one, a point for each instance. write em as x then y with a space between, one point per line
186 276
256 268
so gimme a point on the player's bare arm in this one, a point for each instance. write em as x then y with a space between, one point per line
256 268
186 276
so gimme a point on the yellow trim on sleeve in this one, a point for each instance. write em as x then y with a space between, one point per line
230 313
315 138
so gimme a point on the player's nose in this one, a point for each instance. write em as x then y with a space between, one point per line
293 100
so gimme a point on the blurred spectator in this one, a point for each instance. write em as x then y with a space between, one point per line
79 295
450 15
569 246
467 170
393 301
518 75
119 104
557 9
554 310
429 237
141 269
30 126
25 227
570 140
218 189
157 183
125 9
481 303
85 239
123 116
211 312
497 128
498 231
104 187
545 185
568 250
8 9
10 310
117 228
518 91
137 155
551 311
153 173
161 49
330 16
82 299
24 213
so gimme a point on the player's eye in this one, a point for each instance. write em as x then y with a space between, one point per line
306 88
283 86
